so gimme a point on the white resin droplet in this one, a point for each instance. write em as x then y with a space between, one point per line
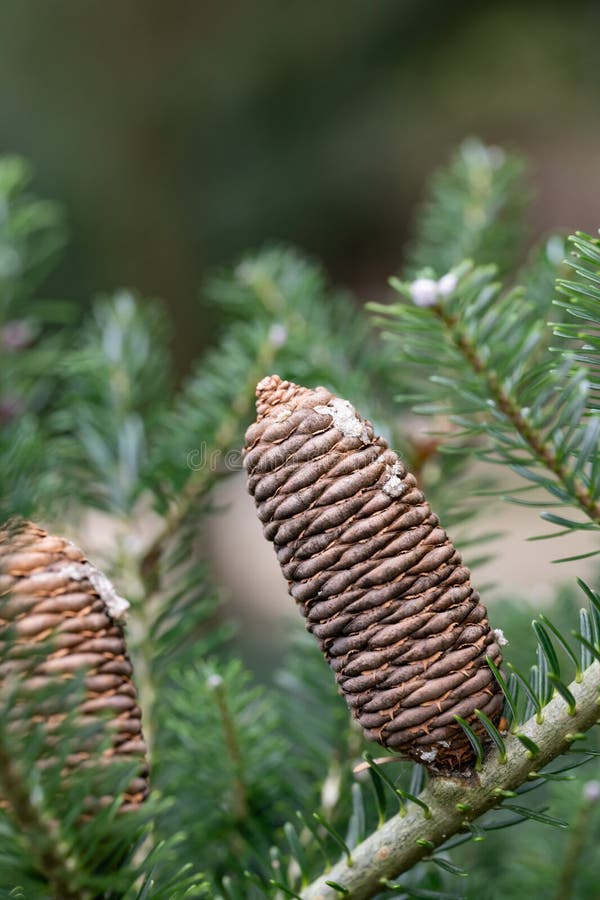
393 485
345 419
116 605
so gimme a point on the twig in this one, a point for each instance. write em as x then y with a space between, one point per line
146 612
393 848
544 453
198 483
240 802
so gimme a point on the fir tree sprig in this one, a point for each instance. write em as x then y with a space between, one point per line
230 798
32 235
474 209
33 335
40 837
68 843
581 300
493 377
405 839
506 400
116 385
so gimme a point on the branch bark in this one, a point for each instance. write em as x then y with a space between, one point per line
393 848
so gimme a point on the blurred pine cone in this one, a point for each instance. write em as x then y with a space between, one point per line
380 584
58 617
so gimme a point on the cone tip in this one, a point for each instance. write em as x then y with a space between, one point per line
272 391
266 385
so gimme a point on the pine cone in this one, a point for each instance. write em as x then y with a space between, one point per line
62 616
379 582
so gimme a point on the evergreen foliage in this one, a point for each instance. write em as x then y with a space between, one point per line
474 211
255 794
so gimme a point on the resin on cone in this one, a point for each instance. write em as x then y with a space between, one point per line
376 577
59 616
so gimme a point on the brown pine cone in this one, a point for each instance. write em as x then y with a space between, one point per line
379 582
62 615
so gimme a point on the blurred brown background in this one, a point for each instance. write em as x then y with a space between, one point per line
177 135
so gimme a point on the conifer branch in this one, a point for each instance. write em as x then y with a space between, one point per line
196 485
145 613
240 405
473 209
542 450
54 858
240 802
405 839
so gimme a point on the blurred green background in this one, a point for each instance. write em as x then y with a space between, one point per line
177 135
